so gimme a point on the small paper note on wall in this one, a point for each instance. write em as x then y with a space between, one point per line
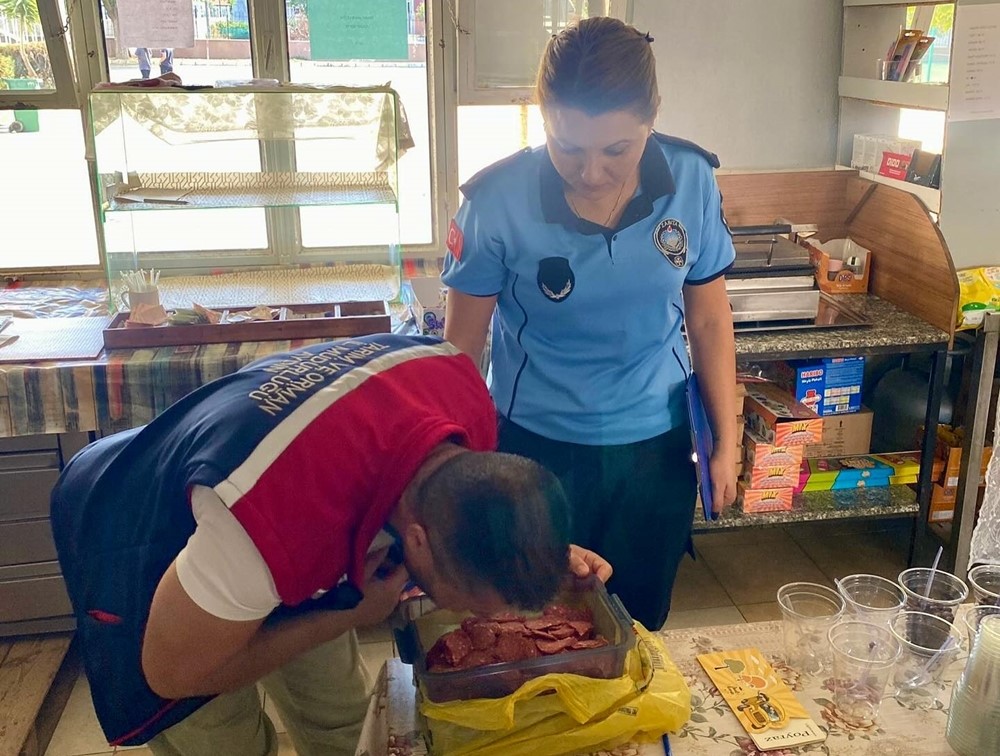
156 23
975 67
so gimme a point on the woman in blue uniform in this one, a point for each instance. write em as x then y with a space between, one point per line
589 255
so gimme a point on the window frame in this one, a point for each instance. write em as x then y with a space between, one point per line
269 59
64 96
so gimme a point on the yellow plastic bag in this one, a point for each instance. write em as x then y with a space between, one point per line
979 293
561 714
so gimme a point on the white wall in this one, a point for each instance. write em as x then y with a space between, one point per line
970 188
755 81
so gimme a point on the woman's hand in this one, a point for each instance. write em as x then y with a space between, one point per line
583 563
722 469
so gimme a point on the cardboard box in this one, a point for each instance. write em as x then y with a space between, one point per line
843 436
767 500
942 504
777 418
849 271
828 386
770 466
848 472
428 305
952 456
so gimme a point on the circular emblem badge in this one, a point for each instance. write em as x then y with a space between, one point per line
671 239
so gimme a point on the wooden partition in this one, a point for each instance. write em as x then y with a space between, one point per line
911 265
820 197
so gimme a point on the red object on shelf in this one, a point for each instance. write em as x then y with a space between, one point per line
894 165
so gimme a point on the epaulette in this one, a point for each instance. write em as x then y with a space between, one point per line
470 187
711 157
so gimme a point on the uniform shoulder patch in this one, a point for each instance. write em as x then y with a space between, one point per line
470 187
711 157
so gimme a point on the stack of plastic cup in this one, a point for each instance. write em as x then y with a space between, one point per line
928 645
974 719
863 657
871 598
808 612
985 582
973 618
933 591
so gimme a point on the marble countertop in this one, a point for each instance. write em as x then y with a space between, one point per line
892 331
869 503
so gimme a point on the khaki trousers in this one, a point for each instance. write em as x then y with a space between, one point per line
322 697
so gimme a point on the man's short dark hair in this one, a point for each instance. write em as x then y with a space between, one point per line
499 521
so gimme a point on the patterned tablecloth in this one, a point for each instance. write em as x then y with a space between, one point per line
391 727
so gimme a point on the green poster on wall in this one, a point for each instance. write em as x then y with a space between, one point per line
357 29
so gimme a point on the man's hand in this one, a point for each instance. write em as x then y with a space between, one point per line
381 595
584 563
722 469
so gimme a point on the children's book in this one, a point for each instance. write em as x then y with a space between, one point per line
764 705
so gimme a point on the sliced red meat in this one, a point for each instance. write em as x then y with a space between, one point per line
593 643
511 648
512 628
543 623
483 636
476 659
583 628
563 631
554 647
451 647
543 635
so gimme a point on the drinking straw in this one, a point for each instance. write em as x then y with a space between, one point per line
930 577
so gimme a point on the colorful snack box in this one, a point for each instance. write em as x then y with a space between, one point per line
847 472
768 465
765 500
778 419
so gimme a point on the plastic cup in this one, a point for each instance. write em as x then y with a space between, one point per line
985 582
863 657
945 594
928 644
871 598
808 611
974 618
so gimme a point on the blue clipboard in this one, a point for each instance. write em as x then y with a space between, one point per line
702 443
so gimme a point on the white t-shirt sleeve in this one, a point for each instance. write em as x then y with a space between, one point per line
220 568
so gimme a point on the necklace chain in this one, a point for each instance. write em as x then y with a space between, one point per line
621 190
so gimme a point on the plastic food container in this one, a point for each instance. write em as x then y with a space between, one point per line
423 624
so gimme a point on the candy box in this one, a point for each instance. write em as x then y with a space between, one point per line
776 417
848 472
756 501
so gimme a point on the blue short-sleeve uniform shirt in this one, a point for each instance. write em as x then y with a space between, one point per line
587 344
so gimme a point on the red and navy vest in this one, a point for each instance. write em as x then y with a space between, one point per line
310 450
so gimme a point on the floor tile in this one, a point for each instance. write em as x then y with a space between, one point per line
741 537
78 731
753 574
877 553
760 612
697 588
722 615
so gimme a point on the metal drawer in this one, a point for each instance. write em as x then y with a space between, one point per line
28 443
26 541
24 494
32 591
